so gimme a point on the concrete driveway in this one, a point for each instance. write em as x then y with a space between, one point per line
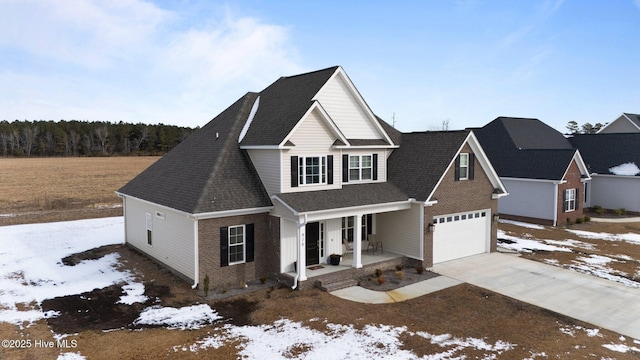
597 301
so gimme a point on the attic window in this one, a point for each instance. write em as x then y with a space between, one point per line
464 166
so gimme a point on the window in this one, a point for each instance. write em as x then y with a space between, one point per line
149 221
360 167
569 200
312 170
236 244
464 166
347 228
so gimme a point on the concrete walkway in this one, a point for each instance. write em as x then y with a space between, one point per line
616 220
360 294
597 301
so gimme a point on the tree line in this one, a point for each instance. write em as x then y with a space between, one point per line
586 128
85 138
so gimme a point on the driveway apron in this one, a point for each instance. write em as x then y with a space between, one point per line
587 298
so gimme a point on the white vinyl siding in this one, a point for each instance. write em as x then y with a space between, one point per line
620 125
535 199
288 252
268 164
399 231
173 236
312 138
346 111
615 192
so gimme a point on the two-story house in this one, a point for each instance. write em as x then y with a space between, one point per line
303 169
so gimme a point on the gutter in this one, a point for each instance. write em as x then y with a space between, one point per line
298 270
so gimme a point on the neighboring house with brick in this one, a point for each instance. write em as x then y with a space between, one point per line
303 169
612 159
545 176
625 123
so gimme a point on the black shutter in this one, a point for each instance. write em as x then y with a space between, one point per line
329 169
577 198
250 242
345 168
294 171
224 246
472 160
375 166
369 224
564 201
457 169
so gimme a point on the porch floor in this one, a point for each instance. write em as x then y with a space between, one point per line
347 262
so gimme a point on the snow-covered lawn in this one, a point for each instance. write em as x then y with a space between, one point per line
31 271
591 264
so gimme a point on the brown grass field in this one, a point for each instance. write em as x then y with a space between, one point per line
54 189
41 190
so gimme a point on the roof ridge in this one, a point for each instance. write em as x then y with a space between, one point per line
335 67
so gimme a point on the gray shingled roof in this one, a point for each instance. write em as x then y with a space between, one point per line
207 171
525 148
423 157
604 151
282 105
348 196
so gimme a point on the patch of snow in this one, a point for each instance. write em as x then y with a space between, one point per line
522 224
287 339
621 348
631 238
626 169
71 356
527 245
595 259
31 269
134 294
572 243
188 317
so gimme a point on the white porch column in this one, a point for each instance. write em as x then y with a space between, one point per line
357 242
301 238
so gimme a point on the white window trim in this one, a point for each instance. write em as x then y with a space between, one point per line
570 196
360 168
302 170
244 244
465 166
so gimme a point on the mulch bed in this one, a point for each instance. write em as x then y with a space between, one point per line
393 280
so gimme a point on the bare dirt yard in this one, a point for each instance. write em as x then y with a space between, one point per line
459 322
36 190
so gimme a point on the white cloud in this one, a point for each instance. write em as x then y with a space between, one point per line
131 60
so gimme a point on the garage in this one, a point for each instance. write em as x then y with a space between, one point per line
462 234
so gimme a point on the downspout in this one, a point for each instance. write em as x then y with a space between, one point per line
196 276
555 204
295 279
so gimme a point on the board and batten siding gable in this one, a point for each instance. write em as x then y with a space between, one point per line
346 111
312 137
534 199
269 166
172 235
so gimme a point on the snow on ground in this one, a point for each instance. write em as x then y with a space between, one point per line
188 317
31 269
527 245
285 339
631 238
522 224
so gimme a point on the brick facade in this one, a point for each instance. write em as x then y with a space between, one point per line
459 196
572 178
266 250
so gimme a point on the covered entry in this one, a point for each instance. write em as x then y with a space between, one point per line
460 235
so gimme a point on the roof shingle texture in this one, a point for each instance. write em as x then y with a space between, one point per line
422 159
206 172
604 151
525 148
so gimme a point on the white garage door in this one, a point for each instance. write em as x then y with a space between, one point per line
460 235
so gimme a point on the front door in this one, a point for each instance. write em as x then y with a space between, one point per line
313 241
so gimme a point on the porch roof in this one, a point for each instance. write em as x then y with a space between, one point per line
348 196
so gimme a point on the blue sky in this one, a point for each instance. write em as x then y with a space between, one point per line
183 62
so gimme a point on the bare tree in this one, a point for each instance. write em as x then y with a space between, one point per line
102 133
50 141
15 141
144 135
445 124
5 140
29 135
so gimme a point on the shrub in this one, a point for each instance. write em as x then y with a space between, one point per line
579 220
263 279
598 209
400 274
420 269
378 272
587 218
381 279
399 267
621 211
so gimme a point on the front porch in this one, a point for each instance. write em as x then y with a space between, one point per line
323 274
